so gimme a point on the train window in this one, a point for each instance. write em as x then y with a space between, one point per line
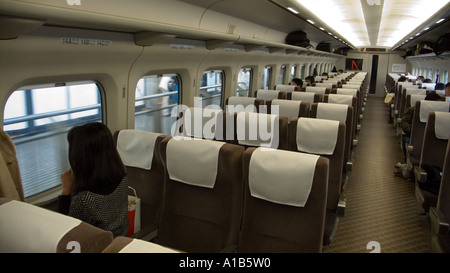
244 82
430 73
38 118
293 71
211 88
266 77
282 75
155 97
445 77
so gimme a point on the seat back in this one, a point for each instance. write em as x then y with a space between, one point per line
236 104
356 93
412 99
289 108
407 92
268 95
27 228
285 88
421 111
339 112
204 123
317 90
435 139
443 202
325 138
139 151
258 130
284 205
202 194
346 99
308 97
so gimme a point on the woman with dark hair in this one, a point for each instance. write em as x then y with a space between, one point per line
95 189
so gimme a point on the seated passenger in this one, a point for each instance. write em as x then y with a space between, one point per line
310 80
406 125
420 79
95 189
297 82
440 90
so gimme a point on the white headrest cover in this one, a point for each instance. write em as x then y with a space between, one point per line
405 84
340 99
201 122
317 136
347 91
332 111
415 98
303 96
257 129
285 88
427 106
193 161
286 180
237 103
141 246
324 84
351 86
136 148
287 108
28 228
267 94
316 89
411 91
333 81
354 83
442 125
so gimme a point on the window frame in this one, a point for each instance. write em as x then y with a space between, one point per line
48 130
222 86
250 69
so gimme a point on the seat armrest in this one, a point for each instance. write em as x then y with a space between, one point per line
148 233
349 166
341 205
410 149
420 174
439 223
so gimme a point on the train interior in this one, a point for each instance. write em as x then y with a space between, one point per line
151 66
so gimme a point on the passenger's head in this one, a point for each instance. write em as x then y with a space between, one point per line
402 79
433 96
93 157
310 80
447 89
340 71
297 82
427 81
420 79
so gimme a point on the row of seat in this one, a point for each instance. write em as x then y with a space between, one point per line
426 152
440 212
162 194
180 198
259 129
27 228
216 196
